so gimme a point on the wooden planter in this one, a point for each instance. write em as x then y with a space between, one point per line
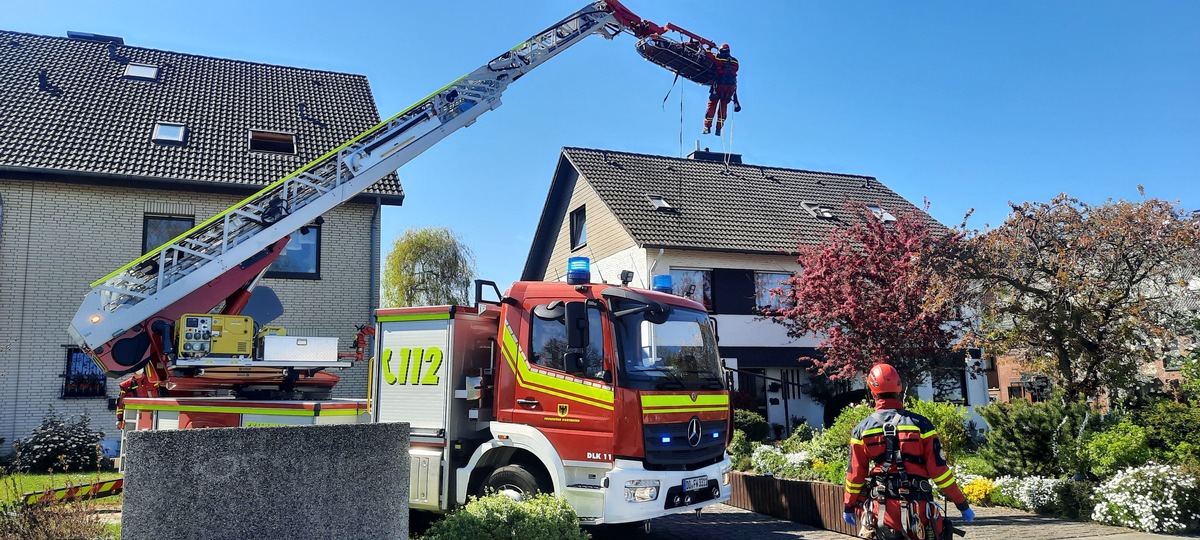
818 504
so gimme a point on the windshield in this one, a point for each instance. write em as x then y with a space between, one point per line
680 354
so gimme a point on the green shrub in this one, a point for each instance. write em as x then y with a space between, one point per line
1076 499
739 446
1032 439
496 516
833 444
949 420
1168 425
974 464
1118 447
753 424
1153 498
59 445
833 472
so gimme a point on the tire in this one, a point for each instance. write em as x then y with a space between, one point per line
514 481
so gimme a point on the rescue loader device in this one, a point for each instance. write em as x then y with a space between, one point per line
603 394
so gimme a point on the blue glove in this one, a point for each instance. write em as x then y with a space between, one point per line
849 517
968 515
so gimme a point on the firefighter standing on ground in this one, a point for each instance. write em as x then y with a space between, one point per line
723 88
895 459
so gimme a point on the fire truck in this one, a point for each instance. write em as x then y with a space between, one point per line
606 395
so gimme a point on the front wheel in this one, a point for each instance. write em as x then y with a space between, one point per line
515 482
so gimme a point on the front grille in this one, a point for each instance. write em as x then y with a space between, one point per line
678 453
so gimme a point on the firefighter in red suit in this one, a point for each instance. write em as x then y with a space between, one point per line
895 460
723 88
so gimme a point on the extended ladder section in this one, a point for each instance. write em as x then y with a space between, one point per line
120 305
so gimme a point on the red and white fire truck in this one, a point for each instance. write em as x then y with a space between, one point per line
606 395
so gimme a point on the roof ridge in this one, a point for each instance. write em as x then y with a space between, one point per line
177 53
731 165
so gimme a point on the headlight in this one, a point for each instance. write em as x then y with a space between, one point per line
725 477
641 490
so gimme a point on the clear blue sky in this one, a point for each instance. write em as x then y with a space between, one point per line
968 104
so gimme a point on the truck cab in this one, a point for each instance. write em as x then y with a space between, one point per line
609 396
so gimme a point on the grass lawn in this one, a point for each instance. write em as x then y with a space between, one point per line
27 482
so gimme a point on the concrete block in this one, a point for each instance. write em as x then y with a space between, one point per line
303 482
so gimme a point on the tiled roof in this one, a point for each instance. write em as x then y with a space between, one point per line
67 108
734 207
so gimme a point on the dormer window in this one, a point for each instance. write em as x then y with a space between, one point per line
660 203
272 141
143 72
880 213
169 132
818 210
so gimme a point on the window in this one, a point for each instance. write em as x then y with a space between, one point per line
950 384
301 258
694 284
578 228
880 213
82 378
272 141
660 203
822 211
764 282
549 341
168 132
141 71
158 230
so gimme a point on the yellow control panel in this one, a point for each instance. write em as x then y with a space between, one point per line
214 335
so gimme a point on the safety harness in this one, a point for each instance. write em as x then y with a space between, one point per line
893 482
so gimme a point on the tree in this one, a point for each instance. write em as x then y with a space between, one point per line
428 266
1086 294
877 291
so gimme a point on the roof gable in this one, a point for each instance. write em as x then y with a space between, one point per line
69 108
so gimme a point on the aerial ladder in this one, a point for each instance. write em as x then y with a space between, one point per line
129 316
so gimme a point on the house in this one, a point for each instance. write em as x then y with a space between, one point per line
109 150
726 232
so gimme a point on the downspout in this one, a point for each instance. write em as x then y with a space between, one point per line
376 225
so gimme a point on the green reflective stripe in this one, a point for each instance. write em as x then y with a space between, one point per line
415 317
276 183
853 491
949 473
565 386
684 409
854 441
682 400
853 485
872 431
907 428
929 434
946 483
244 410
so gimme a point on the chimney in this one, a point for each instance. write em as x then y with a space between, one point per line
721 157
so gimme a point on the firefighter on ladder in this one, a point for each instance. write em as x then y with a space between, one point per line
723 88
895 460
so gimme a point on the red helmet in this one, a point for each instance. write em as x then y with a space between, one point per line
724 46
883 379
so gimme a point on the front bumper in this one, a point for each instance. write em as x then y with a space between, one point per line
672 497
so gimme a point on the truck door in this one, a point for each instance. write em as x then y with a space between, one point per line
566 392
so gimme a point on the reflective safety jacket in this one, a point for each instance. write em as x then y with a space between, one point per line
920 449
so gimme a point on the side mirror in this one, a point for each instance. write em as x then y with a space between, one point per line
577 325
659 315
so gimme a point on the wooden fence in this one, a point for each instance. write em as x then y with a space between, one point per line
818 504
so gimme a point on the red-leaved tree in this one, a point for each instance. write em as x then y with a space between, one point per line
877 292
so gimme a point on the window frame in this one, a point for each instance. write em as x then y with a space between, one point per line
158 136
596 338
132 68
706 285
578 226
93 377
961 375
166 217
313 275
776 302
250 141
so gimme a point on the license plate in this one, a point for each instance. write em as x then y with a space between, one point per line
695 483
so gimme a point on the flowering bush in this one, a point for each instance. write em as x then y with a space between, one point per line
1154 498
1035 493
771 460
978 490
59 444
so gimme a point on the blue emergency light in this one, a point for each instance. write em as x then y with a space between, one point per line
662 283
579 270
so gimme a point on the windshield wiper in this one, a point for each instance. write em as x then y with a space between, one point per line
711 378
670 373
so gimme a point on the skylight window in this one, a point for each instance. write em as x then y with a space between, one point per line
660 203
169 132
272 141
141 71
822 211
880 213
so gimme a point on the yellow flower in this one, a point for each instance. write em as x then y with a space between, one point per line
978 490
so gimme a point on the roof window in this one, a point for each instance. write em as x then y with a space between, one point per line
822 211
144 72
170 132
880 213
660 203
272 141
